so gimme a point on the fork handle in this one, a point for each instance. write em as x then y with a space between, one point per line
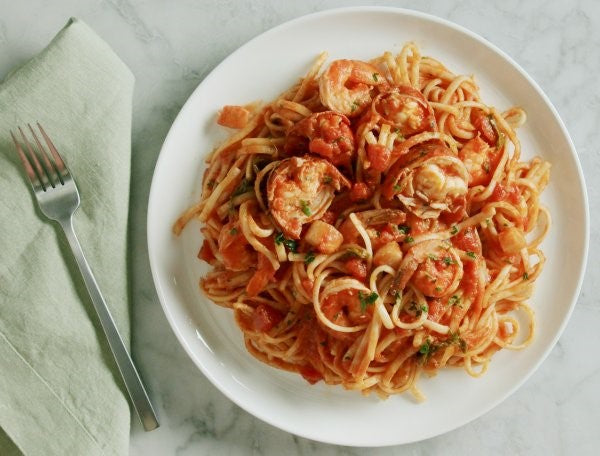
129 373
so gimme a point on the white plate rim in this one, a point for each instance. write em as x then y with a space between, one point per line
440 21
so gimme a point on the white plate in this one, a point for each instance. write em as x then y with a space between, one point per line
262 69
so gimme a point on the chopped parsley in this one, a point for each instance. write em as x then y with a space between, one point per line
305 208
425 348
448 261
455 339
289 243
413 306
454 300
375 75
454 230
471 254
397 188
366 300
354 107
432 257
309 257
353 252
486 167
327 180
525 276
425 308
404 229
233 231
409 239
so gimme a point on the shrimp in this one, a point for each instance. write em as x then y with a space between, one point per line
346 86
431 184
300 190
433 267
327 134
405 109
237 253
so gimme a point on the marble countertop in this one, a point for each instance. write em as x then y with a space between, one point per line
172 46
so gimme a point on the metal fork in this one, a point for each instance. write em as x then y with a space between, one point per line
58 198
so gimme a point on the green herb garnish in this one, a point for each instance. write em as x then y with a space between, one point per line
309 257
409 239
375 76
471 254
448 261
454 300
366 300
305 208
291 244
525 276
233 231
404 229
454 230
425 348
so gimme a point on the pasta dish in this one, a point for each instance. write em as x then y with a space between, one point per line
374 223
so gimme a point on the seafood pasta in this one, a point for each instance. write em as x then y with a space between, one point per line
371 224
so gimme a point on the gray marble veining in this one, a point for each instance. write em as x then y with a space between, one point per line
172 46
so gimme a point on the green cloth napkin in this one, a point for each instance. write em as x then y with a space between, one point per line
60 390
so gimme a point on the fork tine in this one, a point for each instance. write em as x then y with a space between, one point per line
31 174
41 172
51 167
61 167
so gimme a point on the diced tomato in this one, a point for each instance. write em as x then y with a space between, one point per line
329 217
386 234
436 309
310 374
506 193
360 192
265 318
206 252
470 281
468 240
484 125
261 277
233 116
379 156
357 268
416 224
237 253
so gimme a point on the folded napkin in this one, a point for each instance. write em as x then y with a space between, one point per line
60 390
